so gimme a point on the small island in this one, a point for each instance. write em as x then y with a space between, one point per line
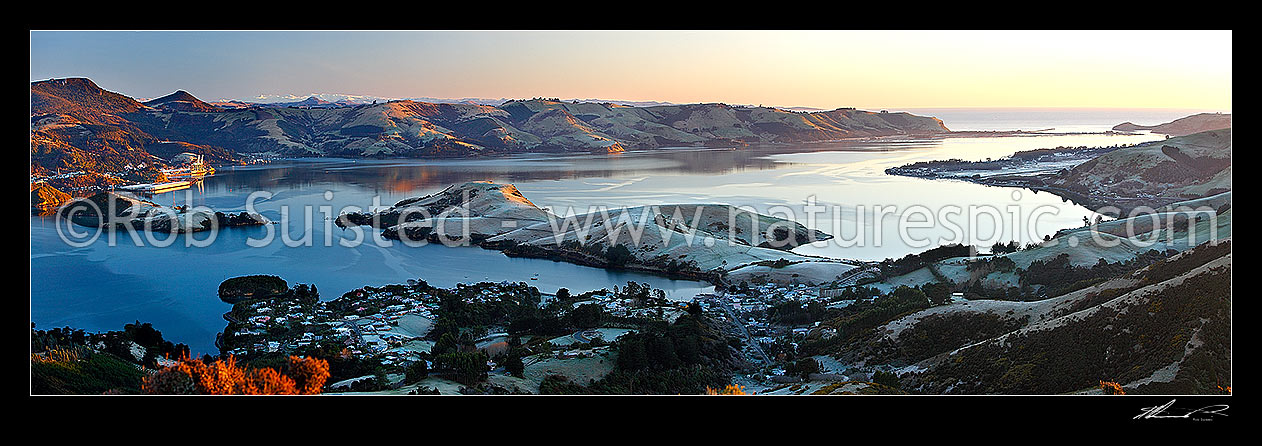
114 210
242 288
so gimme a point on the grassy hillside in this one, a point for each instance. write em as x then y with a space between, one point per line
1161 328
1166 330
1104 247
1155 173
76 125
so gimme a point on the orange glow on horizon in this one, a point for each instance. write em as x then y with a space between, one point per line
868 70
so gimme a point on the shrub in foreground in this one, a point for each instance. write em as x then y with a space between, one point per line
306 376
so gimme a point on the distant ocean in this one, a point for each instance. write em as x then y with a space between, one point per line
1061 119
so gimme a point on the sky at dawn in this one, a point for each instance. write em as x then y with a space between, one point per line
821 69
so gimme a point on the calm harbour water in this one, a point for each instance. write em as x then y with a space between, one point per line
101 287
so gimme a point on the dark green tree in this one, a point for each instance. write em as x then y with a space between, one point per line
446 344
803 367
618 255
885 378
586 316
938 293
467 368
416 371
513 363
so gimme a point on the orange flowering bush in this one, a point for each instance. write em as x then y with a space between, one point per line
224 377
309 374
1111 388
731 389
266 381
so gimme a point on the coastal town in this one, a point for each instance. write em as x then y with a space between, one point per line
618 212
392 328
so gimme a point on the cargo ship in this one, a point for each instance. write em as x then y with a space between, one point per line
194 166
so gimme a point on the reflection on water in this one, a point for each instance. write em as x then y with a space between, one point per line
408 176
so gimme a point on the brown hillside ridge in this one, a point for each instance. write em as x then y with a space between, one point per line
45 197
1152 174
82 99
1183 126
78 125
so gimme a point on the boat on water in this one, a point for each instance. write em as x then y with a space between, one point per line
153 188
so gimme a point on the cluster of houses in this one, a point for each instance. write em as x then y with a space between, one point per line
77 173
58 176
267 316
750 310
371 330
799 291
581 352
484 293
280 325
385 323
627 307
365 321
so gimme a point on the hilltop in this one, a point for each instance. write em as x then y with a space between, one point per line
81 99
181 101
44 197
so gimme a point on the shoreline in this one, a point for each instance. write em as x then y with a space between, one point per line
265 158
501 210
